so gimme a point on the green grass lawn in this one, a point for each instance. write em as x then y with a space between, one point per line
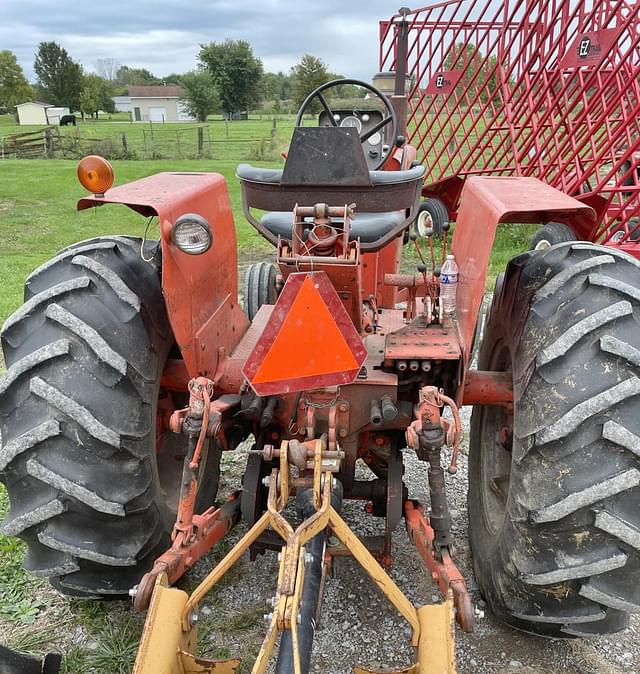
38 215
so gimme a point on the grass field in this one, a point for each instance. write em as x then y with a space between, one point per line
37 218
38 215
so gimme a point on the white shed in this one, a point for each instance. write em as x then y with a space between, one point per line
157 104
32 112
54 114
35 112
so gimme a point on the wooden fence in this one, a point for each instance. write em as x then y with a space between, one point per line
152 141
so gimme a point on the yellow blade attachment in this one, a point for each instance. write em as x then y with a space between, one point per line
163 639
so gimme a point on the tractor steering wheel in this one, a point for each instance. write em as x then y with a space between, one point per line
389 118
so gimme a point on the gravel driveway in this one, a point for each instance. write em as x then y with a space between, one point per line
359 627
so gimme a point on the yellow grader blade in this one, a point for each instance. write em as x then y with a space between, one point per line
170 632
165 648
436 643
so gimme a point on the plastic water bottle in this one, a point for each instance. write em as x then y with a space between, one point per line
448 285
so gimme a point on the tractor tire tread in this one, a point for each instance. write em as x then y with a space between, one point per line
259 287
570 531
77 417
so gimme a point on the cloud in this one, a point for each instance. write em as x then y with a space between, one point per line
164 36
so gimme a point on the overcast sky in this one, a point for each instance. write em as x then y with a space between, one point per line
164 35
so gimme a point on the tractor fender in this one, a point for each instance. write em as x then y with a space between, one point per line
484 203
200 291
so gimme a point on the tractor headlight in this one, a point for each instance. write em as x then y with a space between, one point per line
191 233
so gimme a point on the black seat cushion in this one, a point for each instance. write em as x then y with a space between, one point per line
368 227
258 174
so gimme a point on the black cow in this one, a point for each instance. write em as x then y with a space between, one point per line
65 120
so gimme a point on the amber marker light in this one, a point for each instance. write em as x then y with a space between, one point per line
95 174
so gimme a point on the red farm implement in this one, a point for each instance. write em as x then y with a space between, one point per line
548 89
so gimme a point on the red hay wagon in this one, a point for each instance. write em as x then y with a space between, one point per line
543 88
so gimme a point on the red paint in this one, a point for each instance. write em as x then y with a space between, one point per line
551 89
487 388
200 290
484 203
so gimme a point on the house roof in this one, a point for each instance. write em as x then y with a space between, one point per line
169 91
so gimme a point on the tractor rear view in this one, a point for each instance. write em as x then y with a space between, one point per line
132 368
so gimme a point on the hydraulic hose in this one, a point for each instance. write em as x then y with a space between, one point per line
310 588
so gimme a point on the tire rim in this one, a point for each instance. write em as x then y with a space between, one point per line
424 223
543 245
495 462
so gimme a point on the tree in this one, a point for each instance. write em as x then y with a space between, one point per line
201 97
308 75
96 95
107 69
135 76
276 86
59 76
14 88
236 73
175 78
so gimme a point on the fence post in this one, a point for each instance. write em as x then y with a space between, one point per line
48 143
273 134
125 147
200 140
178 144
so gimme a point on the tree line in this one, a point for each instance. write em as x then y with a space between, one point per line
227 78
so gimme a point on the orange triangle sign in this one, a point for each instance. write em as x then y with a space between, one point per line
309 341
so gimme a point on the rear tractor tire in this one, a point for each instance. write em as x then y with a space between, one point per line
259 287
554 496
85 355
550 234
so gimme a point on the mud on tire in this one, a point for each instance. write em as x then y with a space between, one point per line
555 511
78 417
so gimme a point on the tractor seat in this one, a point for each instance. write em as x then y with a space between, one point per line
368 227
326 165
257 174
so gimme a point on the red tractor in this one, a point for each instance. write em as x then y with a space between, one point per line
132 368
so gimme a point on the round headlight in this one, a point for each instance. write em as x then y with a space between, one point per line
191 233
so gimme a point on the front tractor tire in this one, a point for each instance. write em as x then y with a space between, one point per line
259 287
85 354
554 496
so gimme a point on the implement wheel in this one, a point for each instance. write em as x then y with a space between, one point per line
432 214
92 487
554 496
550 234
